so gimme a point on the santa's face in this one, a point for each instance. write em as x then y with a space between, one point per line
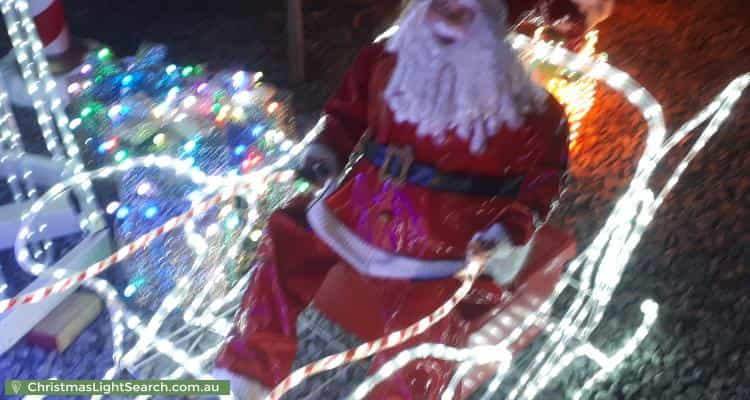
455 71
449 20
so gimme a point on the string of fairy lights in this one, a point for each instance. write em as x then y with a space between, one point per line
597 270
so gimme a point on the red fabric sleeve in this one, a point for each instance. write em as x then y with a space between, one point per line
543 183
346 110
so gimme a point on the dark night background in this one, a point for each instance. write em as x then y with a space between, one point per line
695 258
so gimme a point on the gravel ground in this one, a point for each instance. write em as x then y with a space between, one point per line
695 258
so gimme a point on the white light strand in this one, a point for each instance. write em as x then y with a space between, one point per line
179 167
48 106
604 260
21 186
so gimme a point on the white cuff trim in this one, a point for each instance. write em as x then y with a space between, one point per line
242 388
505 260
369 259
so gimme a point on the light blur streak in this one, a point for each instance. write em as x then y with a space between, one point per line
474 355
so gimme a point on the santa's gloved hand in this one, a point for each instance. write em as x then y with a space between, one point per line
319 163
502 259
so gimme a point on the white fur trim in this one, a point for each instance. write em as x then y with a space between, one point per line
473 87
242 388
369 259
324 154
505 260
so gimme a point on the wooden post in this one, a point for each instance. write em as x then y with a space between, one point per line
296 37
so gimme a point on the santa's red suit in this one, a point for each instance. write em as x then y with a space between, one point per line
379 250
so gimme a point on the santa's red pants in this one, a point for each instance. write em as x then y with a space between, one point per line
296 271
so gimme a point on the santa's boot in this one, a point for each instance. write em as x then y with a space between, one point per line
62 52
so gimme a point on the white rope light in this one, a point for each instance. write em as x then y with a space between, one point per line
21 186
601 265
180 167
48 106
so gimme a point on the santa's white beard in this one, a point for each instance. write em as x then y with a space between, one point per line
475 86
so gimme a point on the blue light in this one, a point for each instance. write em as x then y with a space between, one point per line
240 150
233 222
151 212
129 291
122 212
190 146
127 79
258 130
102 149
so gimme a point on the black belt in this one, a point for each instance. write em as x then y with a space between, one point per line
397 164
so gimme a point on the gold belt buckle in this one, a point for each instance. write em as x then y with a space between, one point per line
405 155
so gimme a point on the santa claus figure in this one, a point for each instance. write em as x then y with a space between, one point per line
448 144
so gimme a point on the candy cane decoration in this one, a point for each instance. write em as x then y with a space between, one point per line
467 278
49 18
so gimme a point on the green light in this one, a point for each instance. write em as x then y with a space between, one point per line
216 107
104 54
303 186
86 111
187 71
121 156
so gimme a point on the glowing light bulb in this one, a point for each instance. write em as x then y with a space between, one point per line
127 80
112 207
212 230
189 101
122 213
114 111
190 146
238 79
104 54
108 146
129 291
171 69
151 212
74 123
143 189
121 156
273 107
74 87
160 139
233 222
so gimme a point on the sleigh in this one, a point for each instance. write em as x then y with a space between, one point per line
552 308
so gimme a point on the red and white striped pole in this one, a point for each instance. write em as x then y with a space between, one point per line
61 49
49 18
